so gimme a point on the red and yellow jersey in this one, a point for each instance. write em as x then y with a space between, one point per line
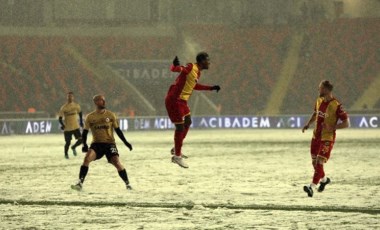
328 113
186 82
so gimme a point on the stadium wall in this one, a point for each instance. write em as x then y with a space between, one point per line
51 126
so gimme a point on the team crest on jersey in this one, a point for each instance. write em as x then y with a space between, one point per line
322 114
107 119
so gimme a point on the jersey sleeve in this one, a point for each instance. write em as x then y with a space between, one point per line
115 122
202 87
61 112
341 113
87 123
183 69
79 108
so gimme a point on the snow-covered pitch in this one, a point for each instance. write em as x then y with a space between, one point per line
240 179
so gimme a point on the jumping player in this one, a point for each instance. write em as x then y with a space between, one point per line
177 97
327 112
69 112
102 122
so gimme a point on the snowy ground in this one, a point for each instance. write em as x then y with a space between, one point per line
244 179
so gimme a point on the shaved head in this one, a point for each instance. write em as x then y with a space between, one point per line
98 97
100 101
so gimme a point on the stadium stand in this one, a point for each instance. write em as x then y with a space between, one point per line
245 60
343 52
37 71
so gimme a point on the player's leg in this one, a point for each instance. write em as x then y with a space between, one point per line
187 125
314 149
319 172
115 161
178 138
78 137
322 158
319 175
67 135
90 156
177 110
180 133
183 122
178 141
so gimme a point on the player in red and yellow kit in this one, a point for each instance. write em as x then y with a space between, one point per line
329 116
178 95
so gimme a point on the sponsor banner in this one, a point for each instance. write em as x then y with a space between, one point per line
9 127
152 78
140 72
38 126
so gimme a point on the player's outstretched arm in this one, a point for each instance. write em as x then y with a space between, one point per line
122 137
84 141
61 122
311 121
207 87
176 66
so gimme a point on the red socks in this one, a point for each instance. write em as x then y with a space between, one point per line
185 131
179 136
314 165
319 173
178 140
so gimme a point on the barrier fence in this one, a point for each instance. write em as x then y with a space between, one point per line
52 126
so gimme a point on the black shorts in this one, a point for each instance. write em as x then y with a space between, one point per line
102 149
75 132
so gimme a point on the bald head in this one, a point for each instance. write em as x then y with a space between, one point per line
100 101
98 97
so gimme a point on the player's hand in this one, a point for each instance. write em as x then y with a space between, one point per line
85 148
216 87
305 128
129 146
176 61
62 127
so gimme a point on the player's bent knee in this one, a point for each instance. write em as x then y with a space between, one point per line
188 121
90 156
116 162
86 160
179 127
320 160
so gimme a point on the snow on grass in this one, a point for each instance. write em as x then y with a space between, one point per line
237 179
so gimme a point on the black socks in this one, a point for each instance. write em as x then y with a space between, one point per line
79 142
82 173
124 176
